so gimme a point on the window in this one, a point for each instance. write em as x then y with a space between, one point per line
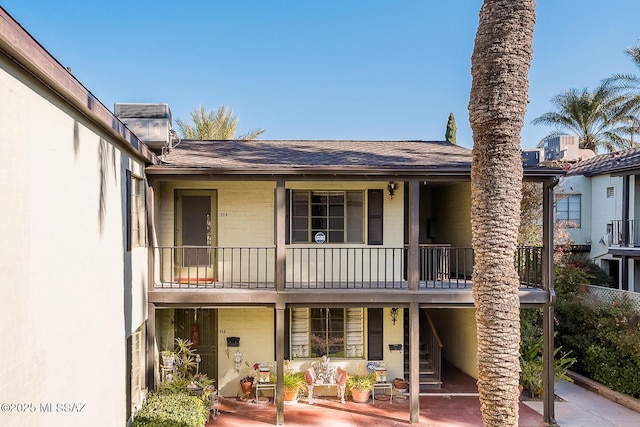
137 386
335 332
610 192
338 216
568 210
136 221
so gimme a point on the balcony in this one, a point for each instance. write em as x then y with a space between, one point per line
327 267
624 233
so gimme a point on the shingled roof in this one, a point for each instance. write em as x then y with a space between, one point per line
305 153
339 157
610 163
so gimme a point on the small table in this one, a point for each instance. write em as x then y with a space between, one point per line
382 386
265 386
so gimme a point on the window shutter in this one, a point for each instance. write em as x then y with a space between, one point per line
375 217
287 227
128 201
374 331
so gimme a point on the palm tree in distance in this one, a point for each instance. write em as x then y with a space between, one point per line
220 124
598 118
629 86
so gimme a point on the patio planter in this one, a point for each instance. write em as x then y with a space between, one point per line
360 395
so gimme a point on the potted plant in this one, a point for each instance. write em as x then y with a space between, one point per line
360 386
246 383
293 381
168 358
400 383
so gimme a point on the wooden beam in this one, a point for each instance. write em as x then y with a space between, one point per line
414 363
413 258
279 395
280 208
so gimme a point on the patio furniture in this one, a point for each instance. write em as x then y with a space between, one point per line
379 367
263 379
323 374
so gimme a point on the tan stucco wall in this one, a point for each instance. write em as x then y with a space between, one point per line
246 209
70 292
255 328
451 209
457 330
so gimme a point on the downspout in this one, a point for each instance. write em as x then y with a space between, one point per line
548 392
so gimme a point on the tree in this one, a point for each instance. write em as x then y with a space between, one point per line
530 232
499 94
598 118
629 86
450 134
213 125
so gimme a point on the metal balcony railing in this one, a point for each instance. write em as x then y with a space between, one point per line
624 233
327 267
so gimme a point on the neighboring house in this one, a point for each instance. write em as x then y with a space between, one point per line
73 248
600 199
267 250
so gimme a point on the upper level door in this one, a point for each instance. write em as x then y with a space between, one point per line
196 234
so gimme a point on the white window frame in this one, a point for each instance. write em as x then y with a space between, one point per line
353 333
348 219
569 210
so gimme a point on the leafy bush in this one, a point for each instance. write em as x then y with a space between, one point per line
531 365
172 410
612 369
604 337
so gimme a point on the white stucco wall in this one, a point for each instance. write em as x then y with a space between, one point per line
70 293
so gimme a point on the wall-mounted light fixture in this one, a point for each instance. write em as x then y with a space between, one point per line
391 187
394 314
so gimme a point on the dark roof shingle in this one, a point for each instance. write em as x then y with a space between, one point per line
267 154
616 162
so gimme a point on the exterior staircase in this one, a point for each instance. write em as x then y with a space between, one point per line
430 353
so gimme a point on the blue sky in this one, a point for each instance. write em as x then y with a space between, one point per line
321 69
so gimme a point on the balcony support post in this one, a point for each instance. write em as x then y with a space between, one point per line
548 373
414 362
413 261
280 342
280 230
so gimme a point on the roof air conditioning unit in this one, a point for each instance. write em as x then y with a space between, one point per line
151 123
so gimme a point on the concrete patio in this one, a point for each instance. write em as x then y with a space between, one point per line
454 405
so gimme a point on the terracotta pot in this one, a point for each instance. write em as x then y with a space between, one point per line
291 395
359 395
246 387
400 384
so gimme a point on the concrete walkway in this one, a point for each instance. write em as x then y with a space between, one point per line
583 408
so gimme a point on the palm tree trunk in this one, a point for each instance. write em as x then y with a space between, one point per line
499 94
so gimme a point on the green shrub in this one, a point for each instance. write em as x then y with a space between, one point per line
604 337
172 410
613 369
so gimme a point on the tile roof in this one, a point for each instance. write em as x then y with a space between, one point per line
616 162
308 154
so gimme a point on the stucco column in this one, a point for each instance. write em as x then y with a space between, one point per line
413 257
279 395
280 230
414 362
548 392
